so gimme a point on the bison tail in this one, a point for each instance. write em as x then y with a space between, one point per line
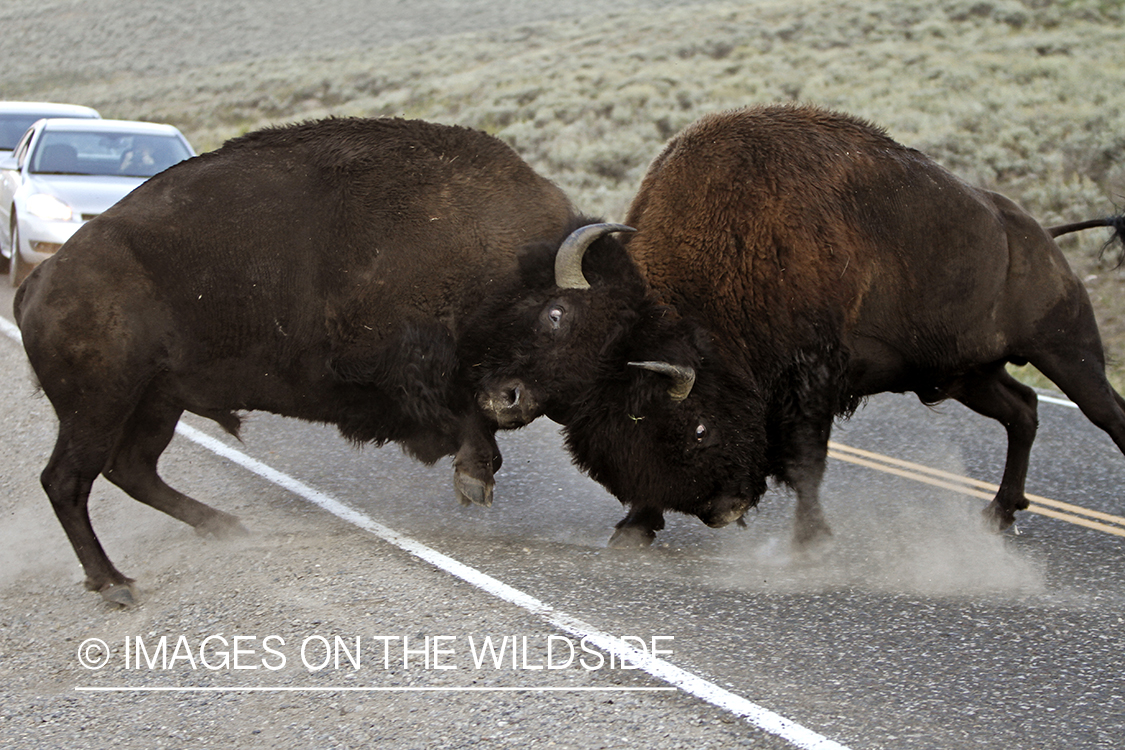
1116 223
1117 238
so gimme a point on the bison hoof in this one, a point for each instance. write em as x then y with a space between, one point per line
631 537
472 491
810 536
121 594
998 518
222 526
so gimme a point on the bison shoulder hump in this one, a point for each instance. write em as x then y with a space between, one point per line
345 143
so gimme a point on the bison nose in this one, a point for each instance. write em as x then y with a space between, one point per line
724 510
509 403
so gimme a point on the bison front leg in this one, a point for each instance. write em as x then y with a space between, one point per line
638 528
476 462
804 471
810 528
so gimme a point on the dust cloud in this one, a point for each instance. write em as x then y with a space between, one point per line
919 542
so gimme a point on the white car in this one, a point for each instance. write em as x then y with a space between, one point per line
17 117
65 172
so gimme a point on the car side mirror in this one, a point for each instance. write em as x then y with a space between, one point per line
9 162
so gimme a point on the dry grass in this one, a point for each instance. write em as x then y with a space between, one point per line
1027 98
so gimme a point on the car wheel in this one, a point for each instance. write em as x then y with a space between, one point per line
17 269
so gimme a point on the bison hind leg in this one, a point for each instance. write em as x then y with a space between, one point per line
132 467
1081 376
123 595
67 479
992 392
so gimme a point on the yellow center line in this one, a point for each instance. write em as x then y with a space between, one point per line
975 488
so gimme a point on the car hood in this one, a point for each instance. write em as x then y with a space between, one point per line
86 194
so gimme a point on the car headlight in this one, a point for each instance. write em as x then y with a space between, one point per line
49 207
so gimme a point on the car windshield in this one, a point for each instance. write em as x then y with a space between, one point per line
106 153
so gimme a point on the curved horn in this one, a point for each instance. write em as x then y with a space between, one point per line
683 378
568 260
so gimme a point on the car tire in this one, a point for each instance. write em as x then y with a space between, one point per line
5 263
17 269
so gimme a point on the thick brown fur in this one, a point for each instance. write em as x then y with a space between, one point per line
813 261
324 271
831 263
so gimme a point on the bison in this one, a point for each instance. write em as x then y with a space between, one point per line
789 261
324 271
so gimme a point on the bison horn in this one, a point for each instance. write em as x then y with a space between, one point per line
683 378
568 260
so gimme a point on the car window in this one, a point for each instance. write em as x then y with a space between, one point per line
21 148
124 154
12 128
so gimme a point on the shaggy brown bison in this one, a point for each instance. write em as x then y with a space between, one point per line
788 262
324 271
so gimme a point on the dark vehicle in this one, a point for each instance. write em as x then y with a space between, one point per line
788 262
323 271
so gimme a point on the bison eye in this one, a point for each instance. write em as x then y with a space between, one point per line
555 318
700 432
555 315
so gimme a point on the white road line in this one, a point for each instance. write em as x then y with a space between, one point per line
1056 400
325 689
759 716
10 330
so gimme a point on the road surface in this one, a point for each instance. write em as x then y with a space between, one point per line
915 629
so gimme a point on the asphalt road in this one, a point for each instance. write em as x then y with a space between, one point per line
914 630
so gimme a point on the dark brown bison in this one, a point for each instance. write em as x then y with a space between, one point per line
788 262
323 271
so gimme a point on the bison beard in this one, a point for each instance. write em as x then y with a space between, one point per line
811 261
324 271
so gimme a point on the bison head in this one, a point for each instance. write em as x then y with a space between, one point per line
536 347
674 434
649 410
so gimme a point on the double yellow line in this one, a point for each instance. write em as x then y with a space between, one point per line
1091 519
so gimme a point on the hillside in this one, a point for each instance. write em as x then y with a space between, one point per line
1027 98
